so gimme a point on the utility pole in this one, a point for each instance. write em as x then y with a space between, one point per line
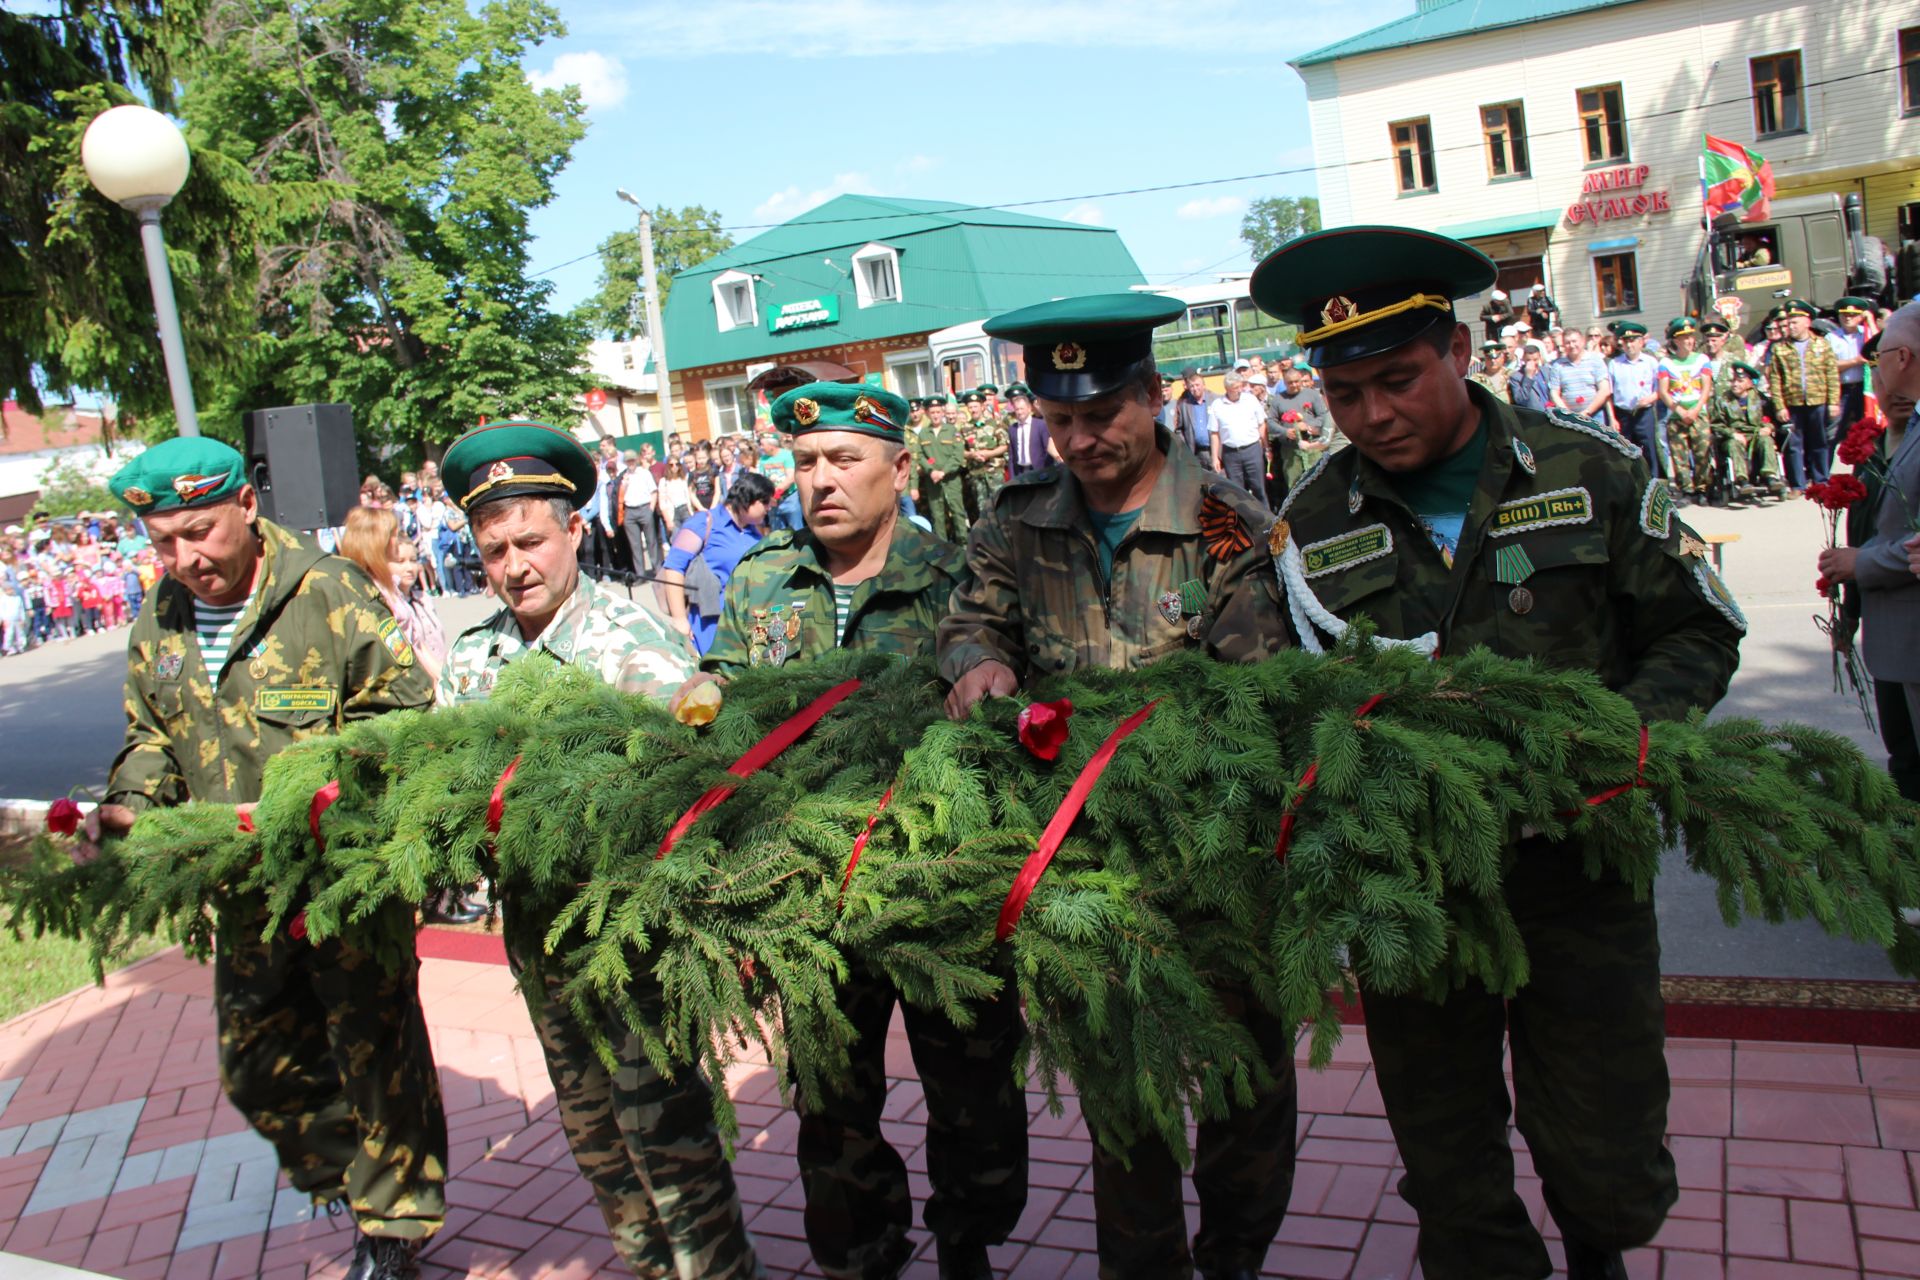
656 336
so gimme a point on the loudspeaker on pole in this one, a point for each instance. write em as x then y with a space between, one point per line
301 459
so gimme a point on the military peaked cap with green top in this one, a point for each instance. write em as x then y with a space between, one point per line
1356 292
1741 366
1857 306
841 406
1714 324
518 460
987 389
975 396
1019 389
1627 329
1798 307
1679 325
1079 348
187 471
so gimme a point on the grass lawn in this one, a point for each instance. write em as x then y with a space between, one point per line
35 970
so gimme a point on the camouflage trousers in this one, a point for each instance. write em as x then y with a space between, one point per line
1242 1176
946 508
1690 450
859 1205
326 1055
646 1144
1589 1074
982 484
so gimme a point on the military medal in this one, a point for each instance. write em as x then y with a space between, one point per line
1520 600
1169 603
1194 627
257 669
756 653
777 652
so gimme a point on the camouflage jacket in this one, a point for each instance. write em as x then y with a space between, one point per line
943 450
1192 573
1570 553
1783 375
985 436
1726 415
780 601
615 638
314 648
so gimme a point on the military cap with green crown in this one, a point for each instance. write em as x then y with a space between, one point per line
1019 389
975 396
1714 324
1357 292
1079 348
518 459
1680 325
1627 329
1858 306
187 471
987 389
1798 307
841 406
1741 366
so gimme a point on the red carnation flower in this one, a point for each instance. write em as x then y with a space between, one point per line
1840 492
1043 727
1823 586
63 816
1862 442
297 927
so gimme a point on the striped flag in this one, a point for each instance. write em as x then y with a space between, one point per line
1735 180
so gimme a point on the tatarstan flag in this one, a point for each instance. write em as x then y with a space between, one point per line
1735 180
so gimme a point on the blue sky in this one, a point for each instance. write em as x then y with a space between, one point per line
762 108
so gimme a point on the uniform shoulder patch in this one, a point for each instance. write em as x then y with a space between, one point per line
1223 526
396 641
1587 426
1716 593
1656 509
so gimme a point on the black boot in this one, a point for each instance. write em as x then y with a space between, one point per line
1584 1262
384 1258
963 1260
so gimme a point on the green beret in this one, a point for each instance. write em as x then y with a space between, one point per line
841 406
1797 306
1079 348
1356 292
1741 366
1019 389
187 471
1627 329
1859 306
516 460
1679 325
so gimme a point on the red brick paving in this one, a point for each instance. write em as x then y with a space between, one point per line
1796 1162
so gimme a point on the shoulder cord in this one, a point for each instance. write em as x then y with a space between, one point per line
1308 613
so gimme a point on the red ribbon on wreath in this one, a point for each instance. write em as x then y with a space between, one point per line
860 847
1639 780
757 757
1307 779
322 801
1036 863
497 802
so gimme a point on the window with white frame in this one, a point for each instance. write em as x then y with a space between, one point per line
876 274
911 375
729 407
733 300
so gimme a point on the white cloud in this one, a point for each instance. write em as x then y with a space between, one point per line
889 28
916 164
792 202
1085 212
1216 207
602 80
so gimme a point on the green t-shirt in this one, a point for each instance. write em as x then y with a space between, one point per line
1109 531
1441 494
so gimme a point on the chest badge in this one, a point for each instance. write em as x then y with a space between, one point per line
1169 605
777 653
168 665
1353 497
1524 456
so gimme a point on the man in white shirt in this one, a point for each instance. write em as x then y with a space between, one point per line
637 490
1237 424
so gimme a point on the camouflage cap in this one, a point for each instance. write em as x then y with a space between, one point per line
518 459
1357 292
187 471
1079 348
841 406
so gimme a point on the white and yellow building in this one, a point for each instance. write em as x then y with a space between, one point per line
1563 137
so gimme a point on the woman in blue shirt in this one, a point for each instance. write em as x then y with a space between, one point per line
718 538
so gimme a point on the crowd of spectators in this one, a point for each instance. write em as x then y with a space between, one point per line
69 577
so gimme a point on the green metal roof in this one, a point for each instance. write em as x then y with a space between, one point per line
1506 226
957 264
1450 18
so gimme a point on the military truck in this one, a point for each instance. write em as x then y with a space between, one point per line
1813 247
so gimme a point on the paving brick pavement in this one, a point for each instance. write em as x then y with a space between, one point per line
118 1155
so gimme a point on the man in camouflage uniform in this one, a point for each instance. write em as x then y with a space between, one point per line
1803 378
1539 535
645 1142
860 577
916 445
985 441
1128 552
945 476
1742 433
322 1049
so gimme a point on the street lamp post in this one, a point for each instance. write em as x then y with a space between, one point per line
656 336
135 157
